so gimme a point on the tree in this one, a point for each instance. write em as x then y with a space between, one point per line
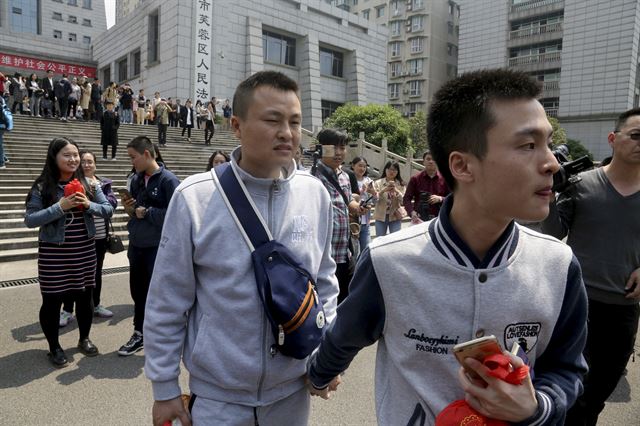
577 150
418 125
376 121
559 134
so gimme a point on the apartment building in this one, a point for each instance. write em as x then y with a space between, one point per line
37 35
422 49
199 49
585 54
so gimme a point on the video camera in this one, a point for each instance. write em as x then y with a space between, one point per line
317 152
569 170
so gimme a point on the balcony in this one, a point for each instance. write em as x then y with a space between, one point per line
532 4
551 112
534 31
550 85
536 62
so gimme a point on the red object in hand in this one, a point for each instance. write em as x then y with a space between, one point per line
73 187
460 413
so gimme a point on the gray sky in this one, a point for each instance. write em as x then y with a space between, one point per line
110 6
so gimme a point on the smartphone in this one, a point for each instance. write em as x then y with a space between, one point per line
124 193
478 349
517 350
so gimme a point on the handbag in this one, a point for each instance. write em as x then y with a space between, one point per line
287 290
114 242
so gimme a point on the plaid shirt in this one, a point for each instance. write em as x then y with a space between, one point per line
340 236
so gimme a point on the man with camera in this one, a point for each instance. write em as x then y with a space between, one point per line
425 191
603 209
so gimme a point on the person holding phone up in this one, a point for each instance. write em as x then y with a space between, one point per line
470 272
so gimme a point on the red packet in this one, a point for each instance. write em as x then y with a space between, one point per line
73 187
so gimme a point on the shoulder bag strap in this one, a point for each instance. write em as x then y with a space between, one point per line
241 206
329 174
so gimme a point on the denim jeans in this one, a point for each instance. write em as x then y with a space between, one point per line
392 226
127 116
365 236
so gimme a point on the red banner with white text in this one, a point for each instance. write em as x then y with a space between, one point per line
43 65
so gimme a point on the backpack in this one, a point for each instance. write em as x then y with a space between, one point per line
286 289
6 118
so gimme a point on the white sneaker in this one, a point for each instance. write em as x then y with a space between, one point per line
65 318
102 312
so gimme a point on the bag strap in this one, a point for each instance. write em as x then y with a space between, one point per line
242 208
110 227
329 174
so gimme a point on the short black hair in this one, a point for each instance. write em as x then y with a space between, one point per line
333 137
244 92
141 144
622 118
460 113
427 152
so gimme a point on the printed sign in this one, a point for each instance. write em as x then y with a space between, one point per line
44 65
202 48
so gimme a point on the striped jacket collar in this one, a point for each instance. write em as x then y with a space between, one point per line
450 245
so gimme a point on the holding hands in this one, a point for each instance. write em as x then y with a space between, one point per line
324 393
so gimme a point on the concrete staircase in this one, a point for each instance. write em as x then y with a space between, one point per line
26 147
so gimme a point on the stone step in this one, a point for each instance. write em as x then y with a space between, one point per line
18 212
24 232
16 223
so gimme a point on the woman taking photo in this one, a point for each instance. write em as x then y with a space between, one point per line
389 212
88 169
368 198
66 250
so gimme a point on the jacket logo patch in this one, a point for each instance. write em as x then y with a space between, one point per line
154 192
301 229
525 333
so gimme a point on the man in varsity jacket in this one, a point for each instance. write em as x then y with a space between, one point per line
470 272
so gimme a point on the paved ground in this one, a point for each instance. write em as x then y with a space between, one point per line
112 390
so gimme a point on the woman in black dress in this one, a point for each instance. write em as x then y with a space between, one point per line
66 250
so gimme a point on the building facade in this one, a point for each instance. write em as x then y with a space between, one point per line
422 49
585 54
198 49
125 7
36 35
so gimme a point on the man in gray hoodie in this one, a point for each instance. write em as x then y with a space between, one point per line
203 305
470 272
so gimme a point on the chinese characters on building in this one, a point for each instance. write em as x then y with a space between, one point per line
42 65
202 46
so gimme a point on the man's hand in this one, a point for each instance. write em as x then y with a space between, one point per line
435 199
326 392
415 219
166 411
633 283
499 399
129 205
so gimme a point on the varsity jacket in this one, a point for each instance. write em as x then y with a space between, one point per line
203 303
420 291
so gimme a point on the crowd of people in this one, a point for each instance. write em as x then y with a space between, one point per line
464 269
81 98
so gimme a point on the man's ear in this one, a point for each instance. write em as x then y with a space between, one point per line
235 125
611 137
461 165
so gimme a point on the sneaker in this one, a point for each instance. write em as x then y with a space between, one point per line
105 158
114 159
3 167
134 344
102 312
65 318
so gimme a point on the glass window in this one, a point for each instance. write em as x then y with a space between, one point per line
86 22
395 48
57 16
380 11
25 16
73 19
331 62
73 37
86 40
415 88
136 59
415 66
153 45
86 4
395 69
365 14
328 108
394 90
73 2
122 69
413 109
416 45
278 49
417 4
396 27
417 23
57 34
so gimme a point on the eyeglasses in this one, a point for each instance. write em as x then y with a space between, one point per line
635 135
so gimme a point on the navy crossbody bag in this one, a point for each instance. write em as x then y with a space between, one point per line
287 290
